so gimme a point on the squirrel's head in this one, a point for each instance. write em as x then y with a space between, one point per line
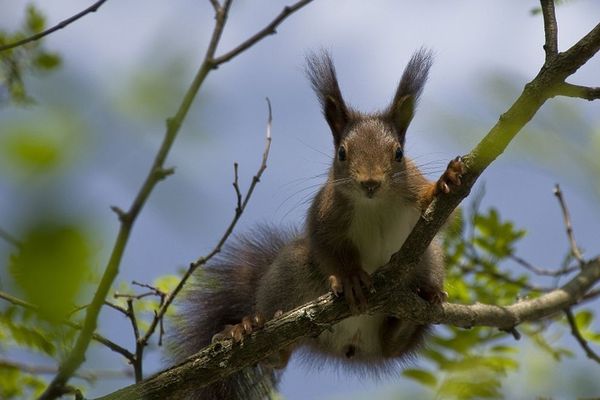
369 157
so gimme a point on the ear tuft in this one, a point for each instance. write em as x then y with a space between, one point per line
321 72
411 85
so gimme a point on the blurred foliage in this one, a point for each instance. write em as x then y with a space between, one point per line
51 267
474 363
153 92
16 384
15 63
39 142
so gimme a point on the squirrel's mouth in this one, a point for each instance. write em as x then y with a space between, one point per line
370 187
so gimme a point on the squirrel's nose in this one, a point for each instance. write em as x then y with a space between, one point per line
370 186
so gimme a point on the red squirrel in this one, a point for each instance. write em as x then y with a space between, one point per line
373 197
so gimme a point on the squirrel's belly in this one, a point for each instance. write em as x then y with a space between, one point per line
355 337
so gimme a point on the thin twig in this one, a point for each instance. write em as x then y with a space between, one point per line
567 220
241 206
550 29
542 271
93 8
582 92
216 5
139 348
106 303
577 334
270 29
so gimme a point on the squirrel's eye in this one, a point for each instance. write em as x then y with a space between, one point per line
342 153
399 154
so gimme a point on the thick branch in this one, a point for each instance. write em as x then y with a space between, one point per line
217 361
93 8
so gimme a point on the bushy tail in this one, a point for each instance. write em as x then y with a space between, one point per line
223 293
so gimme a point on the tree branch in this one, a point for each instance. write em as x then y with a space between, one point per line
93 8
219 360
550 29
582 92
267 30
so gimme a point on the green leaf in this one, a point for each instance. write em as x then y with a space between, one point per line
35 20
39 144
51 267
46 61
583 319
166 283
423 377
27 337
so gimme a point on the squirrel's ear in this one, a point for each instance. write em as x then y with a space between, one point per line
321 72
402 109
337 117
401 113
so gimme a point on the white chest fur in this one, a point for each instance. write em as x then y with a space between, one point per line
378 230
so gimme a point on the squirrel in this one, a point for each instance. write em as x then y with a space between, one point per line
373 197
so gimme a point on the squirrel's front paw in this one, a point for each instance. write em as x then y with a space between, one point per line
452 176
238 331
352 285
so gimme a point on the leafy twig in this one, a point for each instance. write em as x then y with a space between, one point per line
95 336
580 339
567 220
93 8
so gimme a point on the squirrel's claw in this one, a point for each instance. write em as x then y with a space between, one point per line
352 286
452 176
238 331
